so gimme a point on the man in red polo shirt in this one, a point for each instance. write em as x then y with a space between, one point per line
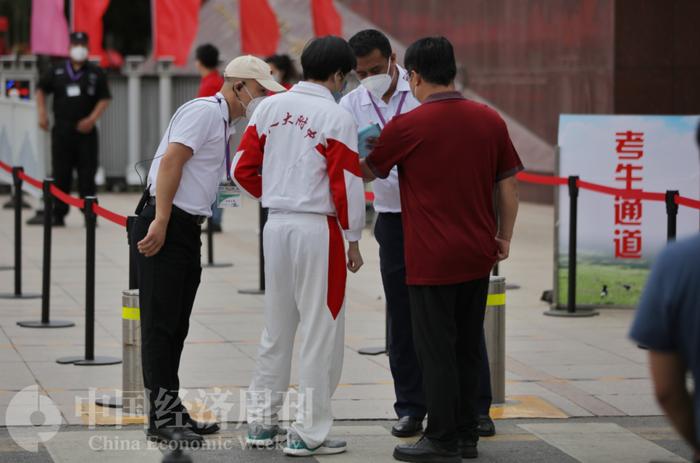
452 155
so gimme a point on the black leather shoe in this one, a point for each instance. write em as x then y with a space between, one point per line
467 448
185 437
200 428
426 451
486 428
407 426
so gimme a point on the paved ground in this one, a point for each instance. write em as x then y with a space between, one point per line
577 370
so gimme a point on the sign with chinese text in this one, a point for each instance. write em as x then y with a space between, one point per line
618 237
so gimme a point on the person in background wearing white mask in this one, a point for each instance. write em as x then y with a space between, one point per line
80 96
283 70
184 180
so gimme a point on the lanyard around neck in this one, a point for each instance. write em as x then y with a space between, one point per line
72 74
378 111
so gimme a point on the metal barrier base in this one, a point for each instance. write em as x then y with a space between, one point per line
580 313
50 324
112 401
82 361
217 265
20 296
255 292
372 351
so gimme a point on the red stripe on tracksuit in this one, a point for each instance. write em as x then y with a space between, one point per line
340 158
337 269
246 171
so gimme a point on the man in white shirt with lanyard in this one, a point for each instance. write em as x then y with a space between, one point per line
184 180
384 94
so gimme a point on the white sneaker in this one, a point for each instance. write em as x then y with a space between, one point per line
296 447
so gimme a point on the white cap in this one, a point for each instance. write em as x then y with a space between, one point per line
250 67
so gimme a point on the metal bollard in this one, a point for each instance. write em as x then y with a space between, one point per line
495 332
132 376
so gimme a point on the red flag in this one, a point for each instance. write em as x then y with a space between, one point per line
326 18
174 28
86 16
260 32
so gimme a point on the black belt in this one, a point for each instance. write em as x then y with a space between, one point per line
177 212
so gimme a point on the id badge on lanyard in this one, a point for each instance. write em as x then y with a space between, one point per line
228 193
73 89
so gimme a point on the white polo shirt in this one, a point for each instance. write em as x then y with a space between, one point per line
203 125
360 104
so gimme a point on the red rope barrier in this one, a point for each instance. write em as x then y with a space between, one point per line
623 193
630 194
687 202
31 180
66 198
109 215
541 179
5 167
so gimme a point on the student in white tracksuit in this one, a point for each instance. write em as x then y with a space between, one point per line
299 156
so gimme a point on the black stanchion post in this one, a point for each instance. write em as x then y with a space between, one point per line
133 276
18 229
210 248
90 359
671 214
45 321
571 309
379 350
262 220
17 201
573 225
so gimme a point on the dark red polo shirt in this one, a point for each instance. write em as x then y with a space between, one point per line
450 153
210 84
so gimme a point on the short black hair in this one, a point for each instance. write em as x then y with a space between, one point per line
368 40
433 58
208 55
285 64
324 56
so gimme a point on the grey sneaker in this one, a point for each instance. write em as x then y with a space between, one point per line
260 435
296 447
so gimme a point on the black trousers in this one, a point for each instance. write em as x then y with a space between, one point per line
408 387
168 284
72 150
447 331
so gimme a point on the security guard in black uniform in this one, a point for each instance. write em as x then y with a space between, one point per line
80 96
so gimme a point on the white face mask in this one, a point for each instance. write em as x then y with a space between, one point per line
379 84
252 104
78 53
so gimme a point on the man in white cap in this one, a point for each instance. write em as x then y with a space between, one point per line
184 180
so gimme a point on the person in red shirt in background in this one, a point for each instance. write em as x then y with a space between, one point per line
283 70
207 62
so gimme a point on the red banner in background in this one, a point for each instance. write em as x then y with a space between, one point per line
326 19
260 33
174 28
86 16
